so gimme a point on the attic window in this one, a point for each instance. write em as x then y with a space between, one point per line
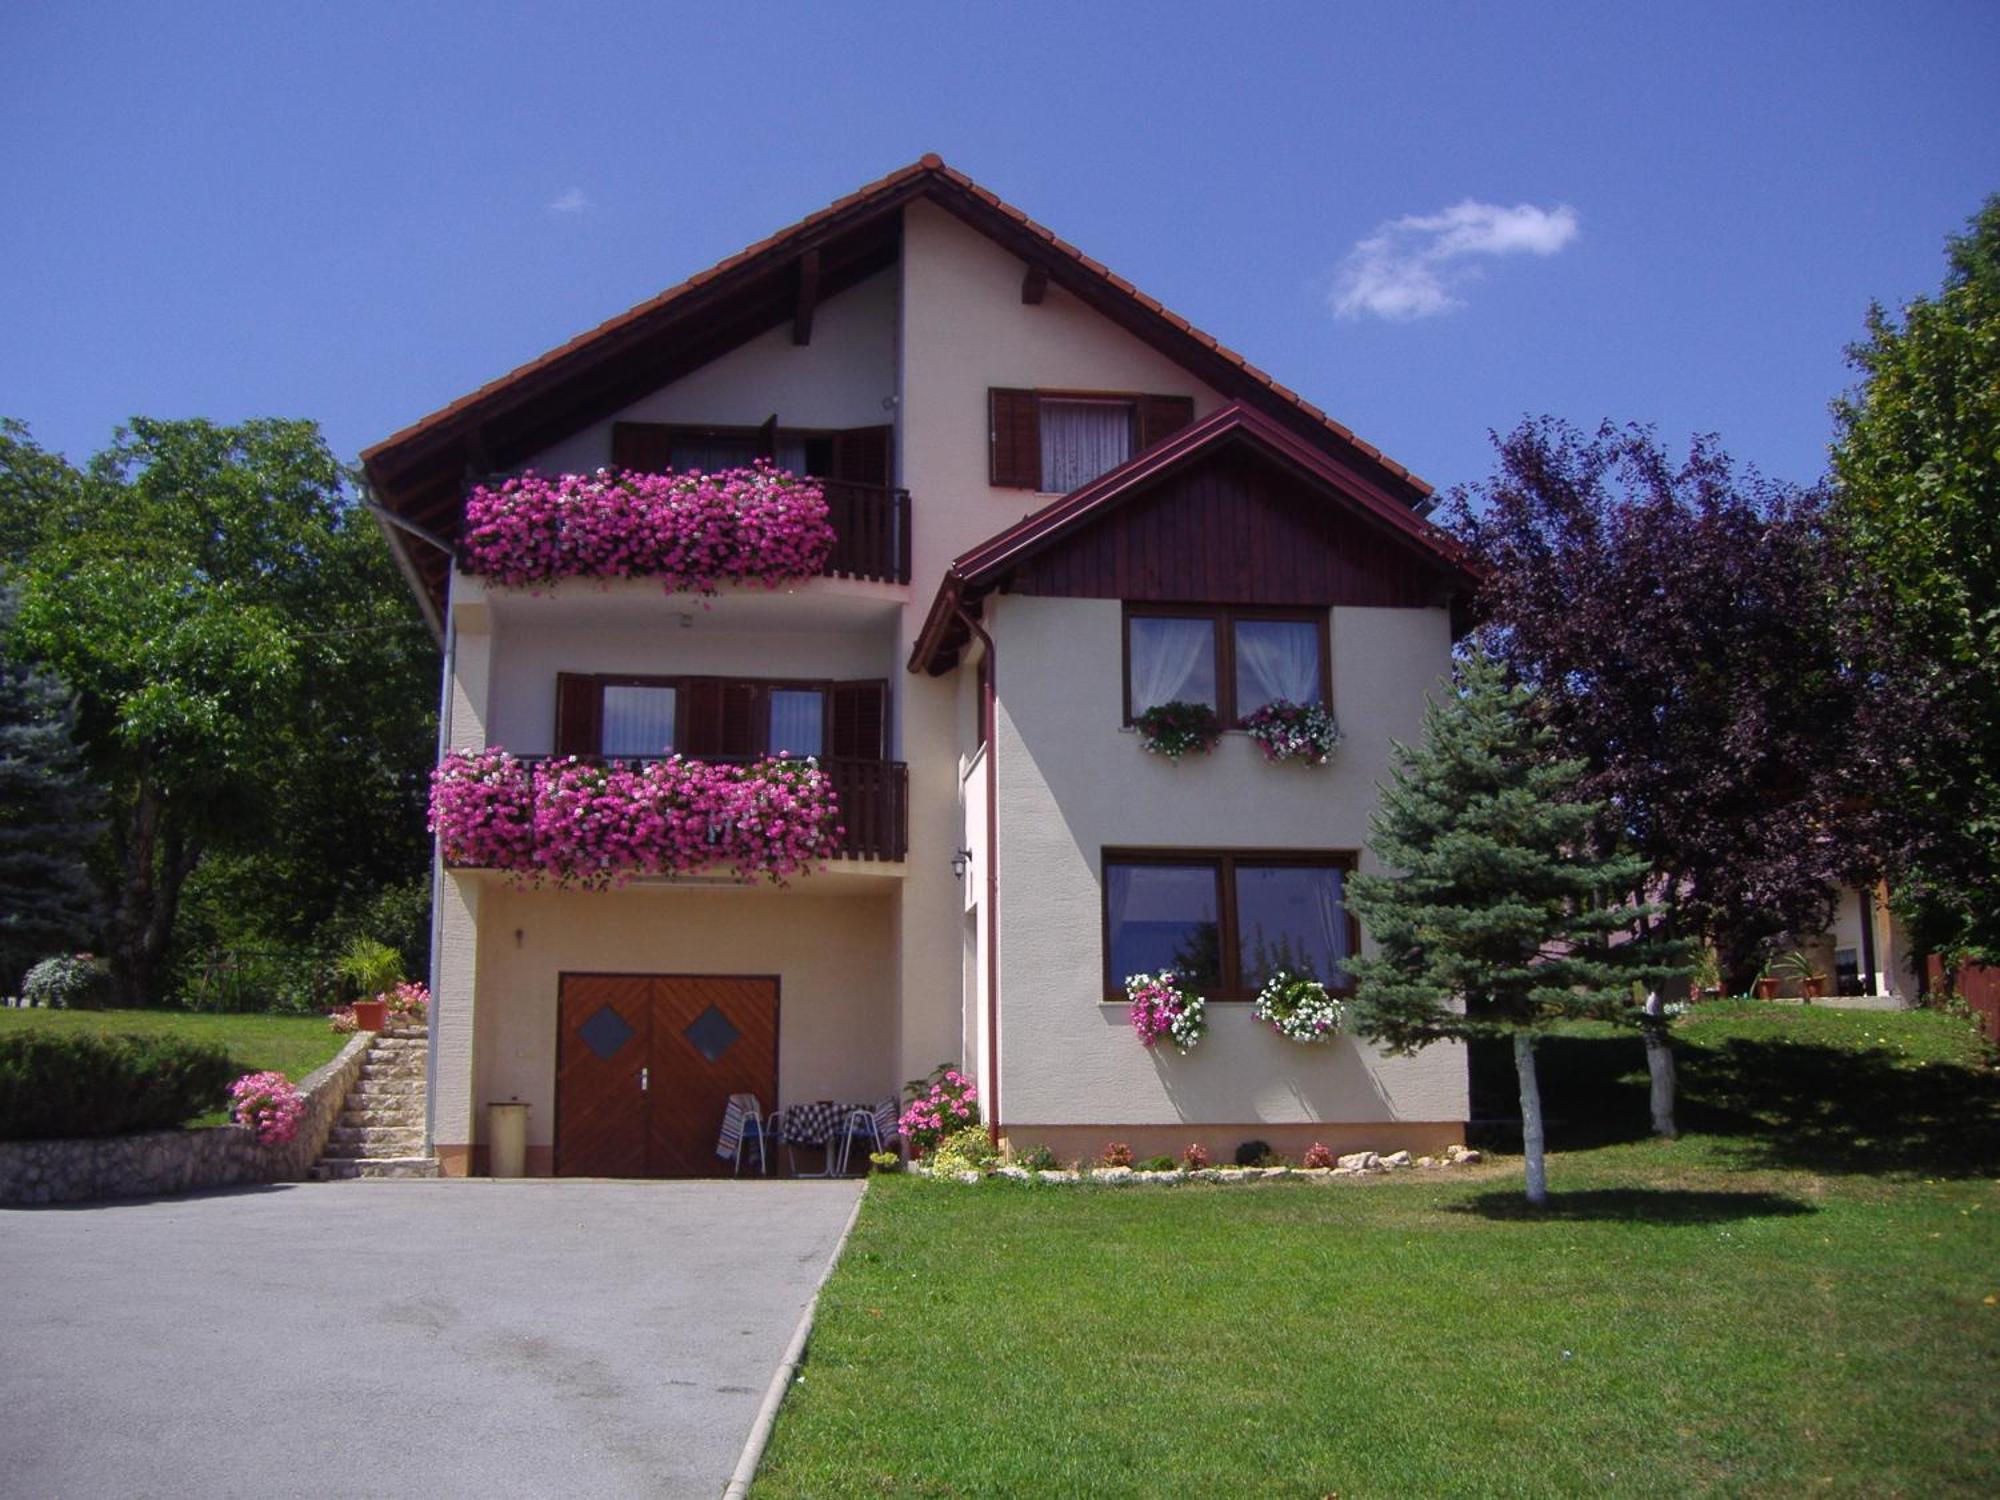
1058 441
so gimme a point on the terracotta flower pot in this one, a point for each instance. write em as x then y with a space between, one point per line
371 1015
1767 989
1814 986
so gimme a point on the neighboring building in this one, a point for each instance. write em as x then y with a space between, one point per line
1056 502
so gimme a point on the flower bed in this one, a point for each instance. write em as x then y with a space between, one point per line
691 531
584 824
1356 1164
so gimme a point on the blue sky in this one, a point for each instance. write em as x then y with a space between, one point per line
356 213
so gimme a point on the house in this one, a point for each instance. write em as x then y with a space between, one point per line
1054 503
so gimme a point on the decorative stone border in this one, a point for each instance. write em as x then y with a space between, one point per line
180 1161
1355 1164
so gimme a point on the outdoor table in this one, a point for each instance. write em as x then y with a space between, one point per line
815 1124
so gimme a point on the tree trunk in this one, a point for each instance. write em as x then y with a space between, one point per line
1531 1118
156 861
1660 1065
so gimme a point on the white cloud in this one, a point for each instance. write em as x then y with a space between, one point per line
571 202
1411 267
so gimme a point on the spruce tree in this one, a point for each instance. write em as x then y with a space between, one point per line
48 817
1497 921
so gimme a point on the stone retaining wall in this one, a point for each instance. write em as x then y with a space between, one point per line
179 1161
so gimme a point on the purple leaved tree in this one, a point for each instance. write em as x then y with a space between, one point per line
1681 625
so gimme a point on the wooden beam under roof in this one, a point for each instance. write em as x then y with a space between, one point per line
1034 285
802 316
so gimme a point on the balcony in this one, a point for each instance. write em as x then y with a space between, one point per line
585 823
871 529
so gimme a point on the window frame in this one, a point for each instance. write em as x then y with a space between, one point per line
1144 410
682 685
1223 617
1229 982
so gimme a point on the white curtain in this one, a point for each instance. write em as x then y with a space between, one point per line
796 721
1173 661
1081 440
638 721
1275 659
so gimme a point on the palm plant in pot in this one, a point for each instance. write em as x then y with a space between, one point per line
373 969
1796 965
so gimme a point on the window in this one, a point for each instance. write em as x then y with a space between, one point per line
1058 441
714 718
1227 921
855 455
1234 660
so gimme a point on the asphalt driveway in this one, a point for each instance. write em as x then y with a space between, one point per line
402 1338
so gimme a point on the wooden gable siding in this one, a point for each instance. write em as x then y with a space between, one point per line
1235 529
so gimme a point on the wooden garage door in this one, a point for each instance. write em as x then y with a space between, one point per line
646 1063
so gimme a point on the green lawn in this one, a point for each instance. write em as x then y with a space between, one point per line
292 1045
1799 1298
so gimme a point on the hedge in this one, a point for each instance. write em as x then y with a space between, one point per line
59 1085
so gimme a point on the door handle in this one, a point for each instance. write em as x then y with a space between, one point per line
642 1080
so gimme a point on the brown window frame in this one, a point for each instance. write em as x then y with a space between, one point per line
1144 410
1229 982
1223 617
761 687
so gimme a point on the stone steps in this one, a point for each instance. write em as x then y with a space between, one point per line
380 1130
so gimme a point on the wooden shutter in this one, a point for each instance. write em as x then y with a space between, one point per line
858 720
1161 416
579 714
721 720
646 447
1016 433
861 455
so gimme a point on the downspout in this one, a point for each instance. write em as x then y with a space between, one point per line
445 697
988 719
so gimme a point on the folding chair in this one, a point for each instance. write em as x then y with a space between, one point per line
743 1124
877 1126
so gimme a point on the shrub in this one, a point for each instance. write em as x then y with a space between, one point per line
966 1150
939 1105
1318 1155
1157 1164
1252 1153
282 981
1038 1159
344 1022
1117 1154
1195 1158
57 1085
884 1161
409 1004
269 1105
69 981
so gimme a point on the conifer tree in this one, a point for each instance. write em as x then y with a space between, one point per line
48 817
1496 921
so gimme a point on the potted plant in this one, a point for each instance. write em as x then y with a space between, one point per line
1177 729
1795 965
373 968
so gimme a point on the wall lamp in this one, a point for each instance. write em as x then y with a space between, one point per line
959 860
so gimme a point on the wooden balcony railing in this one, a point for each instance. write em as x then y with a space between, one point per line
871 527
874 800
874 807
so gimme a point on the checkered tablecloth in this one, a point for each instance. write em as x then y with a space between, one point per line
814 1124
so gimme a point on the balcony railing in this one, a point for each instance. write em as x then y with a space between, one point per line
871 527
874 806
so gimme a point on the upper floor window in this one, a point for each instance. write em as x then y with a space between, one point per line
857 455
1058 441
718 718
1234 660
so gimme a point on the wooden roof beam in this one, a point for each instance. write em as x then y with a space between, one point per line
802 315
1035 285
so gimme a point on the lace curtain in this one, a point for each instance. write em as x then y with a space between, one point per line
1275 659
1173 661
797 717
1081 440
638 721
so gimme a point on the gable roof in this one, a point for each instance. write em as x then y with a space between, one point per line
976 573
418 474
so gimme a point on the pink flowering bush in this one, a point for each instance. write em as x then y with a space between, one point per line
343 1021
1117 1154
691 530
940 1105
1318 1155
1195 1158
1162 1008
1304 732
409 1004
269 1105
589 824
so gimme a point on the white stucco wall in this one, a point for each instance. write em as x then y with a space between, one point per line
1072 783
843 378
